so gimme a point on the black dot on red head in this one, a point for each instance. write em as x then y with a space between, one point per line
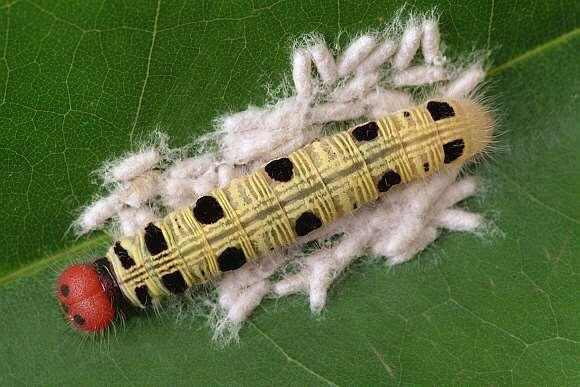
280 170
154 239
389 179
174 282
306 223
207 210
453 150
440 110
231 258
126 261
64 290
366 132
142 293
79 320
406 114
426 167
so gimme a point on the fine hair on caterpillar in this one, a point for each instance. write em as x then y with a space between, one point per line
287 201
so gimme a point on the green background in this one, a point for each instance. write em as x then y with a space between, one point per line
82 82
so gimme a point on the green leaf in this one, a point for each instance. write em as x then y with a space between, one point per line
82 82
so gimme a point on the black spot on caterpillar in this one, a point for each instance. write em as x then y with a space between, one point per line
123 256
174 282
440 110
306 223
280 169
207 210
389 179
154 239
142 293
453 150
231 258
366 132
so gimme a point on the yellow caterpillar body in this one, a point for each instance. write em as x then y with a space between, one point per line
292 196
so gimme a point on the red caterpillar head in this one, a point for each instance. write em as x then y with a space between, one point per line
87 295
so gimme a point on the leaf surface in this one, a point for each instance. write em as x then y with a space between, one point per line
83 82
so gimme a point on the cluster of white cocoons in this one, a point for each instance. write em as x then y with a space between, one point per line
370 78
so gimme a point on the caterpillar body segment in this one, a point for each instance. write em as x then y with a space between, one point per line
293 196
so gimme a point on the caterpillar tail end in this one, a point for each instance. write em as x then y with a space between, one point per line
481 130
89 296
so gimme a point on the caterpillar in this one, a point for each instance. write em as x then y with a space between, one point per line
280 204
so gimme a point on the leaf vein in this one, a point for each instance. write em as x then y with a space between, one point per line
147 72
39 265
291 359
533 52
